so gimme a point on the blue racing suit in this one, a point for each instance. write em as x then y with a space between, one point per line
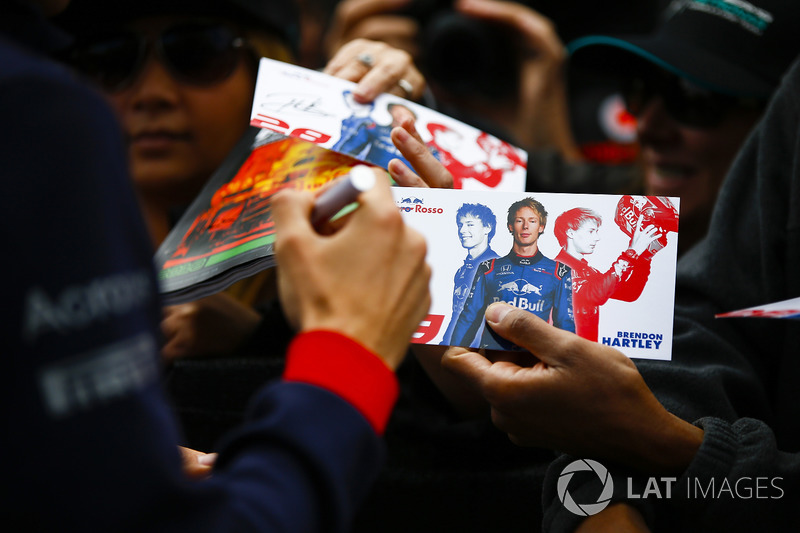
462 284
537 283
365 139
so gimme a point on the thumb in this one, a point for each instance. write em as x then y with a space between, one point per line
526 330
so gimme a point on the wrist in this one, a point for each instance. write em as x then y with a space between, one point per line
630 254
670 447
388 345
338 363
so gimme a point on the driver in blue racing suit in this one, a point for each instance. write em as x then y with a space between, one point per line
365 139
524 278
476 227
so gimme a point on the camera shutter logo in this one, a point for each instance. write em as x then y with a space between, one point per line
586 509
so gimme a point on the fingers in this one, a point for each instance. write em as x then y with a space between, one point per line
418 290
639 222
174 348
291 211
525 329
470 366
378 68
554 347
538 31
197 465
431 171
377 209
393 72
410 127
368 280
404 176
356 10
365 18
501 383
380 193
643 236
176 343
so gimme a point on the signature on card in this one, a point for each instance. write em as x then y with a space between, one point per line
302 104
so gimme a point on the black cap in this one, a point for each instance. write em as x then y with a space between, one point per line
736 47
279 16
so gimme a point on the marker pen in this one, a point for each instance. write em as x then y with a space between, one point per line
343 192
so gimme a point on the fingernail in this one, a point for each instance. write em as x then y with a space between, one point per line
363 94
496 312
207 459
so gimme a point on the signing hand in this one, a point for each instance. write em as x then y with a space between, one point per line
368 280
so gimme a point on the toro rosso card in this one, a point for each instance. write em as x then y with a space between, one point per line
602 266
319 108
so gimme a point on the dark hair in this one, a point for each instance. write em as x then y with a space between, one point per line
481 212
527 202
572 220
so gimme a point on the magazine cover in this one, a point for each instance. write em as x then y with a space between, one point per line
319 108
565 257
227 232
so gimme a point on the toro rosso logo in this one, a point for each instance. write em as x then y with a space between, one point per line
412 204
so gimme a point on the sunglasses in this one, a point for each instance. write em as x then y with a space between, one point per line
195 53
684 101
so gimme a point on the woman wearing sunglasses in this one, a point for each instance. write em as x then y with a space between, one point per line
180 75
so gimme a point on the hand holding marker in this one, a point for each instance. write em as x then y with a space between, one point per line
342 193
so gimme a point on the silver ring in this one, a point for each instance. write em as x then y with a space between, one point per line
366 59
406 86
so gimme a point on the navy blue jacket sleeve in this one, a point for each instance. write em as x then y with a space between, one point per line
563 313
471 317
89 438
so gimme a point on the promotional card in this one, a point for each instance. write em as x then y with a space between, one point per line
319 108
568 258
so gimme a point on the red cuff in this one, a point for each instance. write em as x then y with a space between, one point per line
339 364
